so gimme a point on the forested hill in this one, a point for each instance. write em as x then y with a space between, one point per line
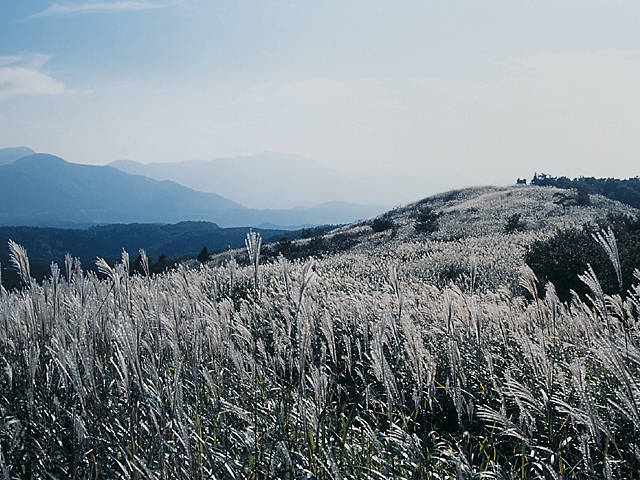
626 191
163 243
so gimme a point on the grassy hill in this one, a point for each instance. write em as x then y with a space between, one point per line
400 353
471 232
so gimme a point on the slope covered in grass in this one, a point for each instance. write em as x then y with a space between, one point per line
470 235
355 365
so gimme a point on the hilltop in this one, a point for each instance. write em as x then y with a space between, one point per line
10 155
471 232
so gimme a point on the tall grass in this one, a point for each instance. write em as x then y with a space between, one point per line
344 368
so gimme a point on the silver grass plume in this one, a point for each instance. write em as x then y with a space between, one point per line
307 277
528 281
474 272
126 262
590 279
628 395
607 241
20 261
393 280
449 307
419 360
77 267
105 269
304 325
68 266
253 242
552 299
145 262
111 273
284 265
326 326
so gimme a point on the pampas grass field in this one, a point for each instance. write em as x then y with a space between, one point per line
354 365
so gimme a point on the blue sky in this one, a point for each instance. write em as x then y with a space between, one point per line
462 92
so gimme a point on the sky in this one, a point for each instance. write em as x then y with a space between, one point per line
458 93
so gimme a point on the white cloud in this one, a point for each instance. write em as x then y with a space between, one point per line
58 9
566 114
34 60
21 75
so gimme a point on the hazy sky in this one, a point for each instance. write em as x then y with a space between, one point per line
458 92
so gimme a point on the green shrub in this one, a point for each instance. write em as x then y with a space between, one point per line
382 224
203 256
567 254
515 224
426 220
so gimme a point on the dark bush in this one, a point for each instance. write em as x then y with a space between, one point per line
203 256
515 224
382 224
567 254
426 220
284 245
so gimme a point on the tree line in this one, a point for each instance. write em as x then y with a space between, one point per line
623 190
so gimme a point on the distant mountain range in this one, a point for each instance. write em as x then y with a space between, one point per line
10 155
276 180
45 190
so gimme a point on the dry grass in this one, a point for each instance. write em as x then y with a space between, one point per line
344 369
366 364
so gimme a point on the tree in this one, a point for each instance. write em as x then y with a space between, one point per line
426 220
515 224
203 256
284 245
382 224
567 253
582 196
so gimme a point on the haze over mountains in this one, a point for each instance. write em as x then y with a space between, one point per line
276 180
45 190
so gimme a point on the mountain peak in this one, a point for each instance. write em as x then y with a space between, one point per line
10 155
41 159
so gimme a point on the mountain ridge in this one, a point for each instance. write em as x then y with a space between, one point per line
45 190
275 180
46 186
11 154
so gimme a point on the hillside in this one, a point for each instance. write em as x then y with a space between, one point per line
471 231
401 353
